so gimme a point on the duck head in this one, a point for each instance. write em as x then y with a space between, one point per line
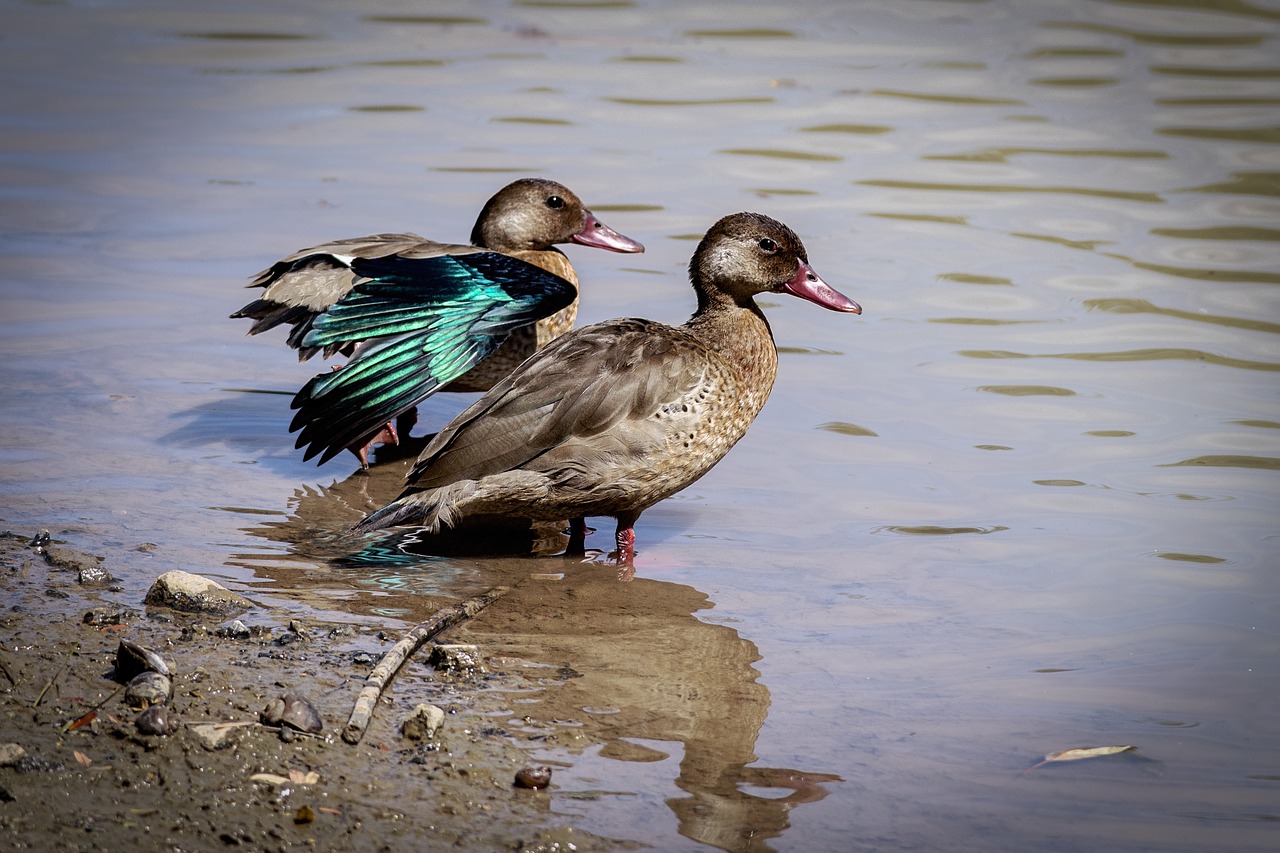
533 214
746 254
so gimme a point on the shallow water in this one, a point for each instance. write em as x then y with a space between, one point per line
1026 502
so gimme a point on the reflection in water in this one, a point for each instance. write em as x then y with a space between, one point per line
643 666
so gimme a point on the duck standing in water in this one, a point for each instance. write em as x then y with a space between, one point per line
416 316
614 417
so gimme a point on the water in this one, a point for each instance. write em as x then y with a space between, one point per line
1027 502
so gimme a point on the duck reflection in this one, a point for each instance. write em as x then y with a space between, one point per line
636 650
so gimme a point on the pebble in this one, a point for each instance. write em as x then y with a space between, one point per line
459 658
293 711
423 723
533 777
147 689
154 721
214 737
234 630
193 593
10 754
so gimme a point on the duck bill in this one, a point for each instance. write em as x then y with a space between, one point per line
807 284
596 233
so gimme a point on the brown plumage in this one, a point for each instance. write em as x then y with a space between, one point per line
524 220
614 417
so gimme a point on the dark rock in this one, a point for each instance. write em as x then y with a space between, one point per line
133 659
533 777
155 721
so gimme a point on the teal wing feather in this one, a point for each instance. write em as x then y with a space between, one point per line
421 323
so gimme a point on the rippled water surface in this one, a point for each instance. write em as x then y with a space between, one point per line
1026 502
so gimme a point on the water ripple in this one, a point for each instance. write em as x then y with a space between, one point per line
938 98
1142 306
1150 198
1197 39
1154 354
1002 155
937 530
1265 463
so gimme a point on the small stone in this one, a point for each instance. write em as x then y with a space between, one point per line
234 630
214 737
154 721
106 616
193 593
293 711
10 754
62 557
132 659
459 658
533 777
423 723
271 714
362 659
147 689
93 575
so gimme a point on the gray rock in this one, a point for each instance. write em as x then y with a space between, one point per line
194 594
147 689
293 711
423 723
10 754
457 658
234 630
214 737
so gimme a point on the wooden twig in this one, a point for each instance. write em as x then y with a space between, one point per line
65 663
391 662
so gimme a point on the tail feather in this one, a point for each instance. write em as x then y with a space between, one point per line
501 494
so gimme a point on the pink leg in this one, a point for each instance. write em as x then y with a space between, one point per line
626 553
386 435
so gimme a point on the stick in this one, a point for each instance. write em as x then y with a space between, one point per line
391 662
74 650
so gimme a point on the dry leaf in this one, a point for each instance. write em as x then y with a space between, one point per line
83 721
1080 753
82 758
298 777
269 778
1087 752
328 810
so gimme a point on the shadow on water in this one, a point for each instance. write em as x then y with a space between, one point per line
637 675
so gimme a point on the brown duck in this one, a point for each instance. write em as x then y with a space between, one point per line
614 417
418 316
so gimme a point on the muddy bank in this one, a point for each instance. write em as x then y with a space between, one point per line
74 780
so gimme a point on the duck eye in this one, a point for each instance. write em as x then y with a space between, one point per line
555 202
768 246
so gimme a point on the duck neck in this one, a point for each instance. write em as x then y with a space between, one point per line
740 333
550 259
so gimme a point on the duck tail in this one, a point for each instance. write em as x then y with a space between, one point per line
432 509
499 494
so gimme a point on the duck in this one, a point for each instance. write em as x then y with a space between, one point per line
614 417
415 316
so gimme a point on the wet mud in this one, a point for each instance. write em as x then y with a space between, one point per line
78 774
